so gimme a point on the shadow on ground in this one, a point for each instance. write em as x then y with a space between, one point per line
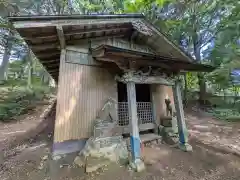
162 162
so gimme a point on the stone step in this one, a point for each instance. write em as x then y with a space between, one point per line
149 137
145 138
166 118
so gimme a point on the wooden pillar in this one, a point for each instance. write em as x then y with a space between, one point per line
136 161
132 110
182 129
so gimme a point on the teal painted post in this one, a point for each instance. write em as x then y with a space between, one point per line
182 129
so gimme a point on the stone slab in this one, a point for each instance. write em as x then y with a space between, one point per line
66 147
149 137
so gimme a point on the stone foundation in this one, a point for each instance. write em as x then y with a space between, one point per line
99 150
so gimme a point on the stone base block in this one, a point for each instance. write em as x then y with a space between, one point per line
168 136
138 165
80 161
166 121
185 147
101 151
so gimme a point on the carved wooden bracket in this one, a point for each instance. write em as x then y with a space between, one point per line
144 79
142 28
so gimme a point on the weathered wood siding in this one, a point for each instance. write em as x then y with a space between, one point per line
84 47
82 92
159 92
121 43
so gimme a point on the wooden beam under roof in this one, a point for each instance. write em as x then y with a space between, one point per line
43 61
50 62
41 37
69 22
93 30
55 74
48 54
40 47
51 65
112 53
52 70
61 37
70 42
123 27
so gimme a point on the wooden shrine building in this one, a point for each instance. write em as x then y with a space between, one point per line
97 57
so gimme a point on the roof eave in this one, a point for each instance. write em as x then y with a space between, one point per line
65 17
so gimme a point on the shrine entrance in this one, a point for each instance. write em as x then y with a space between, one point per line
144 107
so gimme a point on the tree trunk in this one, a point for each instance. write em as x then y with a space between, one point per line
201 80
5 60
45 77
202 88
30 70
70 6
235 94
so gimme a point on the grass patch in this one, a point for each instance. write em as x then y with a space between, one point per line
226 114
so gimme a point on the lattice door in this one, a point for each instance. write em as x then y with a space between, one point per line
144 111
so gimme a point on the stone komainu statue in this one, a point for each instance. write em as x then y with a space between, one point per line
168 106
107 113
105 123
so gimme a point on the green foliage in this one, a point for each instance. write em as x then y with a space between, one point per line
192 81
15 101
199 27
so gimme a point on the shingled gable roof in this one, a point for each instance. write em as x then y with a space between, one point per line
46 35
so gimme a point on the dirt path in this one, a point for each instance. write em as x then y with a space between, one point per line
20 126
218 134
27 126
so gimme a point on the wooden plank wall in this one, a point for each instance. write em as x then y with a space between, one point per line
159 93
121 43
82 92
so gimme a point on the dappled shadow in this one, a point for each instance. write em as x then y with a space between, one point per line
202 163
218 134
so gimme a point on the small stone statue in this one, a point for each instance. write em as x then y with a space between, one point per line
168 106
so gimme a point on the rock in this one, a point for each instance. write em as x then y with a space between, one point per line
94 163
185 147
122 152
40 167
104 129
57 157
44 158
138 165
113 149
80 161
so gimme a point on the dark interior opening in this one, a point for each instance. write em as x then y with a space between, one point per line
149 131
142 92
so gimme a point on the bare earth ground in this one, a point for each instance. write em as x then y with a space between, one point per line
15 130
29 161
216 133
